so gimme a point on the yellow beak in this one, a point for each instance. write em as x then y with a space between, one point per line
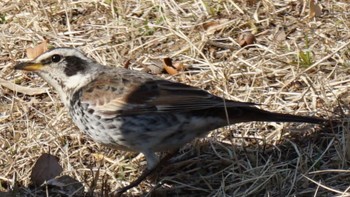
29 66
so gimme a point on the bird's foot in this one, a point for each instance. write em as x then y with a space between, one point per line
146 172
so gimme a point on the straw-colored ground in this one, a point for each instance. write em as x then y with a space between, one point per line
299 65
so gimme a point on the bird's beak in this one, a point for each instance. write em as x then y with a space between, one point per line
29 66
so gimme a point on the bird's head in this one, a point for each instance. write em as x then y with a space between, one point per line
66 69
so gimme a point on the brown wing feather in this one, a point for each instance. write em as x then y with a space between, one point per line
128 95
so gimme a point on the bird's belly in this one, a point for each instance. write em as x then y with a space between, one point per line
104 131
153 131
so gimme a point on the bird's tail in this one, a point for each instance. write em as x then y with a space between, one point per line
247 114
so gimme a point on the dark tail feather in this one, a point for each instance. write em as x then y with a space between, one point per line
247 114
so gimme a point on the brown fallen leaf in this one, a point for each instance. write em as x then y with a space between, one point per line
22 89
209 24
213 26
245 39
127 64
179 66
169 67
45 168
315 9
34 52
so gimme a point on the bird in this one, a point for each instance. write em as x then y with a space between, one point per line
135 111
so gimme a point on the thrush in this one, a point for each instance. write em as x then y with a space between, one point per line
135 111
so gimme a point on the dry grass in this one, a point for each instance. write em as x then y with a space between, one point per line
252 159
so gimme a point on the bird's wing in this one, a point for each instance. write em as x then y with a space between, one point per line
128 95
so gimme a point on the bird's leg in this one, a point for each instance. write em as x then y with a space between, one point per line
146 172
152 165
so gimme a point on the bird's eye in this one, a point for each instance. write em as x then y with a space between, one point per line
56 58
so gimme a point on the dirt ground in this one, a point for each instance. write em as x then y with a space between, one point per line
298 64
